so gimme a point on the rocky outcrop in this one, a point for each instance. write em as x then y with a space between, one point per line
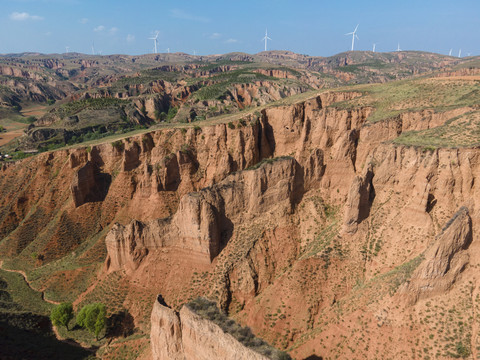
205 220
444 260
360 198
281 74
166 333
188 336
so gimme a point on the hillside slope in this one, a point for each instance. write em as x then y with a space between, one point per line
343 225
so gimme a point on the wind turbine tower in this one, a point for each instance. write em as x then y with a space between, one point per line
66 49
354 35
93 48
450 52
460 53
266 38
155 41
398 47
374 46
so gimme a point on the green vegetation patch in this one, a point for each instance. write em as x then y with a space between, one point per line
16 295
393 98
269 161
461 131
74 107
223 81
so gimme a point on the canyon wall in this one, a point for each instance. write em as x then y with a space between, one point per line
188 336
304 217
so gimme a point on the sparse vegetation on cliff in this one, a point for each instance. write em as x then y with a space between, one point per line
209 310
268 161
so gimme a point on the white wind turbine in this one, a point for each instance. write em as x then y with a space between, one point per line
168 50
266 38
398 47
450 52
354 35
66 49
93 48
155 41
374 46
460 53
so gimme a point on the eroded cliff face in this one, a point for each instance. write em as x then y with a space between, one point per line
188 336
336 233
205 220
444 260
166 333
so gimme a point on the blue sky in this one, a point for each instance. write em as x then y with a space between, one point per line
313 27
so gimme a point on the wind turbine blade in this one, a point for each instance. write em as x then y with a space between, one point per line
357 37
268 38
351 33
356 28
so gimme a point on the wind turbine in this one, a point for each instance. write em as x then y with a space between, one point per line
266 38
155 41
66 49
168 50
398 47
374 46
354 35
93 48
460 53
450 52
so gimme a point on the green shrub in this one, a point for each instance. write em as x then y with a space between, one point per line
230 125
119 145
62 314
93 318
186 149
172 112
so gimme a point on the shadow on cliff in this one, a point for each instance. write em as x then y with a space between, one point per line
104 181
367 196
313 357
100 191
225 227
90 185
120 324
299 185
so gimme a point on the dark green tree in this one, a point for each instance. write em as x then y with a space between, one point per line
62 314
93 318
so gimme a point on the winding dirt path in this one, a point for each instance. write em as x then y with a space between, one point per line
21 272
54 328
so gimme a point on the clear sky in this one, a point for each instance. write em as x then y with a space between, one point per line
313 27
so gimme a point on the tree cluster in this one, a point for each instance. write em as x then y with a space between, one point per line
91 317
